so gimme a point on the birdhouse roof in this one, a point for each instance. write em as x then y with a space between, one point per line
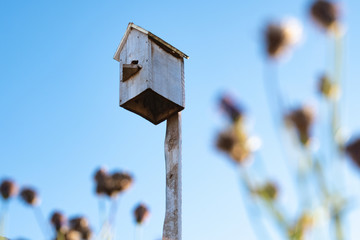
166 46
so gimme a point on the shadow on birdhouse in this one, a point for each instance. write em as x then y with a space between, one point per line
151 75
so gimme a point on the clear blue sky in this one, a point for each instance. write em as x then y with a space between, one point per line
60 119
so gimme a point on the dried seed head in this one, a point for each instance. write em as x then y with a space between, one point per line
101 178
275 39
234 143
281 36
353 150
240 152
325 13
29 196
72 235
141 213
121 181
327 88
58 220
226 141
86 234
8 189
78 223
81 225
268 191
111 185
100 174
301 119
232 109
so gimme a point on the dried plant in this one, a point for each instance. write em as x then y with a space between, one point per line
326 14
29 196
298 124
141 213
8 189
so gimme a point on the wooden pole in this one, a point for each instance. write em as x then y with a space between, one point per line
172 223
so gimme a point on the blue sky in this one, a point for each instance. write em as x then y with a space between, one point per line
60 118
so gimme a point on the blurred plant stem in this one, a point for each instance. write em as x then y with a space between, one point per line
113 210
60 236
319 173
277 214
273 93
43 225
339 228
102 210
138 232
3 213
270 205
251 207
335 123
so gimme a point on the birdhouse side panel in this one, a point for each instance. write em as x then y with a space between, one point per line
135 54
167 75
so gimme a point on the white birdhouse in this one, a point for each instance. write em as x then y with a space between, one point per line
151 75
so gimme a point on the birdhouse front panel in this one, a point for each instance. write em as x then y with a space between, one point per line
134 72
151 75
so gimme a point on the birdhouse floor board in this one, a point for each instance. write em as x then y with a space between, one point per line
152 106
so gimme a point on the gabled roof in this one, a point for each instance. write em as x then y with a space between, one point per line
166 46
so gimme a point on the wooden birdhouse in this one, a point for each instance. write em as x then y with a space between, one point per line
151 75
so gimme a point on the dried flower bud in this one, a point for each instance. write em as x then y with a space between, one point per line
234 143
101 178
111 185
8 189
78 223
234 111
226 141
240 152
86 234
279 37
268 191
327 88
141 213
353 150
73 235
58 220
301 119
121 181
275 39
81 225
325 13
29 196
100 175
299 229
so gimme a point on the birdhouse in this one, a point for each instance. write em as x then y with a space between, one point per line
151 75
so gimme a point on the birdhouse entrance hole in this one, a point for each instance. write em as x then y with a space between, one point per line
152 106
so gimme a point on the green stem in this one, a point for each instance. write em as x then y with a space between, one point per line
252 209
60 235
338 228
5 207
335 120
277 214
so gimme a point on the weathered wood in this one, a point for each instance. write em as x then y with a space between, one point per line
172 223
161 72
129 70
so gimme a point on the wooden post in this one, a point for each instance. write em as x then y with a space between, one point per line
172 223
